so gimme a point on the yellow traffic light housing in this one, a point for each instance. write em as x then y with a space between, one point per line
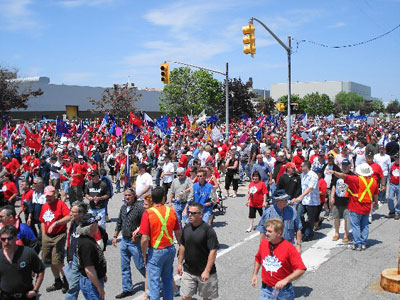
164 73
280 107
249 39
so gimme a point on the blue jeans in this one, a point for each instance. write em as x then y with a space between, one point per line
89 291
99 212
158 176
118 182
207 215
160 265
65 186
130 250
360 226
73 281
382 195
287 293
179 208
244 168
394 193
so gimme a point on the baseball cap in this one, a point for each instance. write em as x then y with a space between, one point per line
142 165
95 173
290 165
80 156
189 153
346 162
89 219
280 153
318 170
49 190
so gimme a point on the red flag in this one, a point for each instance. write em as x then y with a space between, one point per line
133 119
169 123
186 121
33 140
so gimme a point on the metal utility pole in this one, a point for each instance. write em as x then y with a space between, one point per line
226 88
288 49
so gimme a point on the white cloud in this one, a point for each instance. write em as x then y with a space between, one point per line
17 15
77 3
337 25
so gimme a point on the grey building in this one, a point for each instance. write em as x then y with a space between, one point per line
331 88
58 98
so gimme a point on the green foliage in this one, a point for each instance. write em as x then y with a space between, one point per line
346 102
393 107
377 106
240 96
294 98
10 95
265 105
317 105
119 100
189 92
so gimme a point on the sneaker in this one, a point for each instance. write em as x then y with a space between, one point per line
397 217
358 248
363 247
57 285
65 286
125 294
352 247
390 215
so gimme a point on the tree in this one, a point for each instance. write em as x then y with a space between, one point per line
119 100
377 106
191 92
294 98
346 102
317 105
393 107
240 96
266 105
10 95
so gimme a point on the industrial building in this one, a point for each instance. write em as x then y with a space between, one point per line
73 100
331 88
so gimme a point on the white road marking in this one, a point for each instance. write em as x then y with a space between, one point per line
318 253
219 254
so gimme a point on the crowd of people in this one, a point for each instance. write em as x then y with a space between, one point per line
58 179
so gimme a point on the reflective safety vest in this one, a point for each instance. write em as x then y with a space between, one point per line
365 189
162 222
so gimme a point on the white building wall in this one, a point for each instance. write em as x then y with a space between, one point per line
331 88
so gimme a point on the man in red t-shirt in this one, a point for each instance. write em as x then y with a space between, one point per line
394 176
281 263
362 190
77 181
54 217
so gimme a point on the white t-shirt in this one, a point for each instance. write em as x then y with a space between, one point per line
384 162
168 168
142 181
310 180
55 175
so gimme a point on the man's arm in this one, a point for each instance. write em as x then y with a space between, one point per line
210 262
306 192
180 259
178 235
282 283
144 244
298 241
92 275
255 272
38 283
146 189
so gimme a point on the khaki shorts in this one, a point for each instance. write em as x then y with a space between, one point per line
53 249
340 212
192 284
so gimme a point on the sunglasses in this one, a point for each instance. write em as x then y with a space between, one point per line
10 238
193 212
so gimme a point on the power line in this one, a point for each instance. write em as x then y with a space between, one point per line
298 42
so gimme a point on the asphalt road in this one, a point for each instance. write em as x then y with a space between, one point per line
334 271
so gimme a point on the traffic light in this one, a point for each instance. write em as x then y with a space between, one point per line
295 107
280 107
249 39
164 73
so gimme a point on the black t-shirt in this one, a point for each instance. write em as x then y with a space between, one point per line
340 190
90 254
98 189
198 242
291 184
17 277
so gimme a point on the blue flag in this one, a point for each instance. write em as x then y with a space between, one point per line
258 134
129 137
127 172
112 129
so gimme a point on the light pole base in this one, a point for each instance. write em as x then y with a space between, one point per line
390 280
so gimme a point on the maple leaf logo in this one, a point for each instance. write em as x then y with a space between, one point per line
271 264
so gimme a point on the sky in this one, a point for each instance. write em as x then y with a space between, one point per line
102 42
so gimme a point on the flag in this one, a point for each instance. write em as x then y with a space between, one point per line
186 121
357 114
61 127
169 123
330 118
244 118
243 138
84 136
305 120
212 119
33 140
112 129
301 117
133 119
4 132
104 122
127 172
178 122
263 121
129 137
148 120
216 134
80 127
162 124
258 134
201 117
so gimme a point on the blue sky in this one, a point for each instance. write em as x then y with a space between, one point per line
101 42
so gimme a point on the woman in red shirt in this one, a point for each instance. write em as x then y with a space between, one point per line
9 189
257 198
